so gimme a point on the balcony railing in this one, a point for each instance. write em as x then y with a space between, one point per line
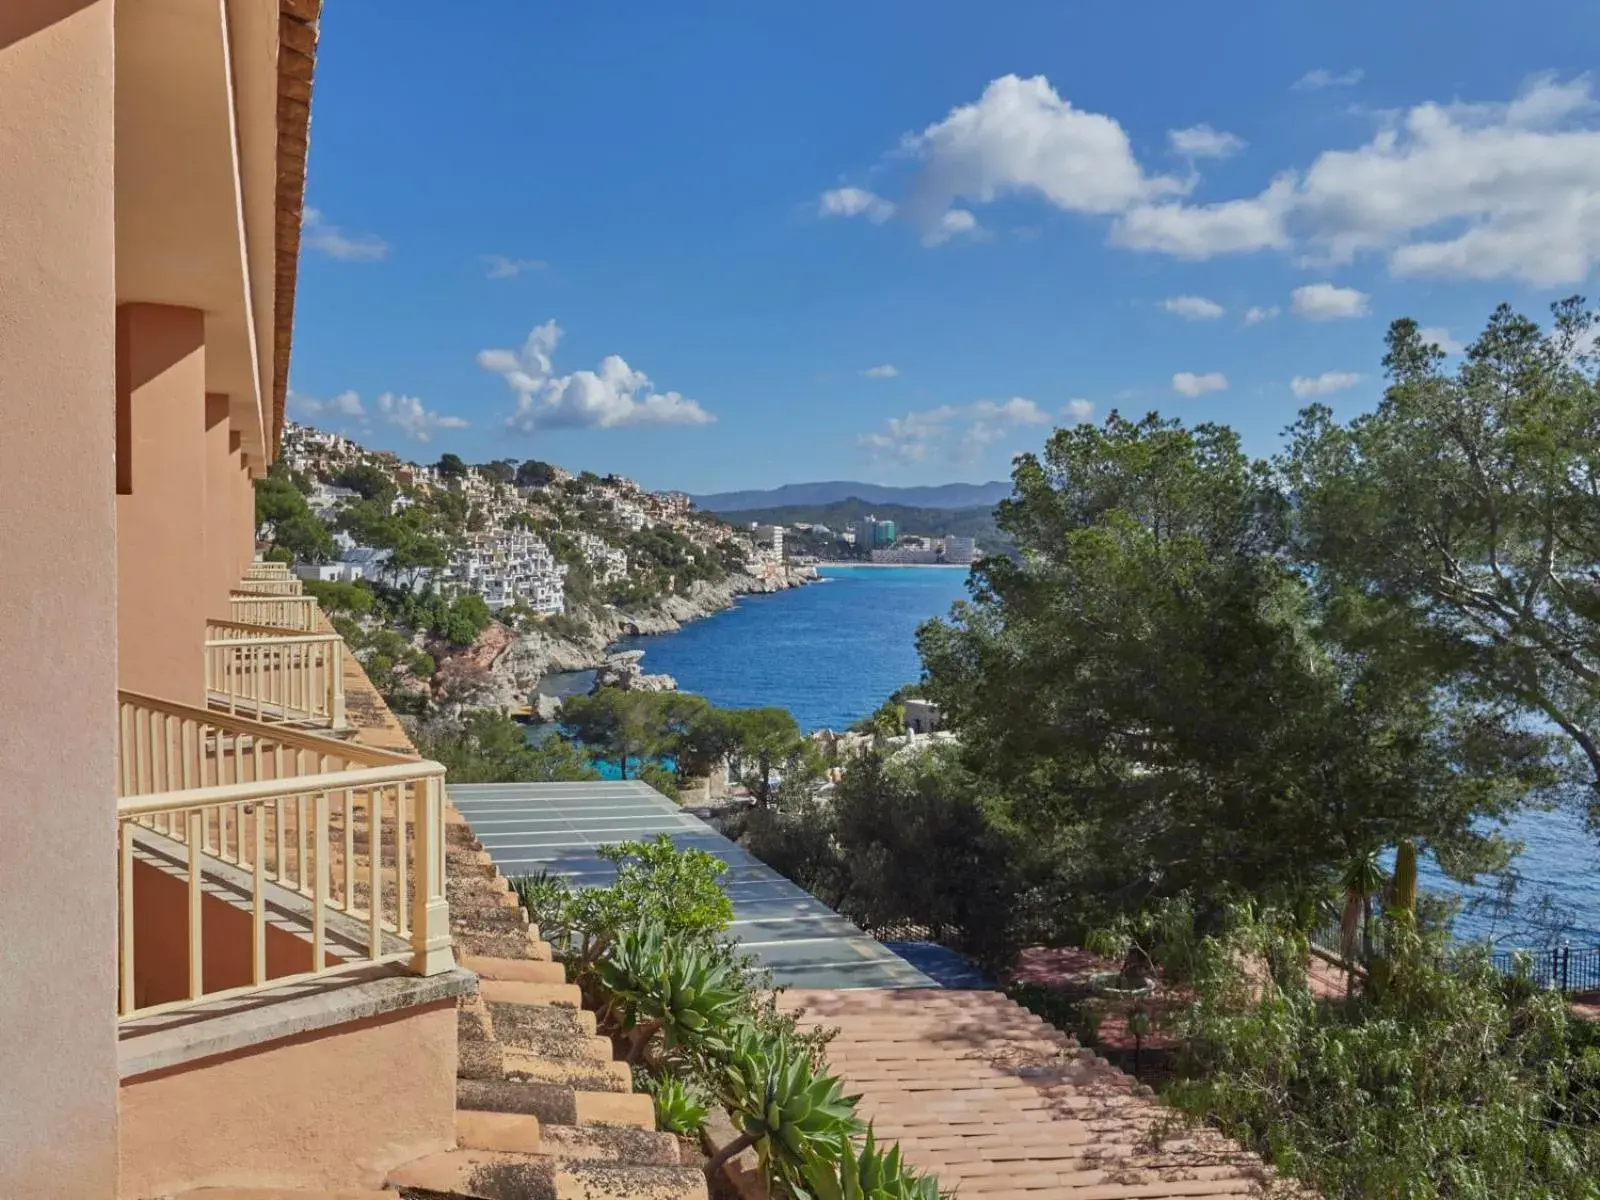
275 674
281 612
257 586
281 855
268 570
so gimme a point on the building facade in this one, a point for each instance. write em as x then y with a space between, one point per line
167 698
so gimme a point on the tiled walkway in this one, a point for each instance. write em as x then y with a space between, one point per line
997 1104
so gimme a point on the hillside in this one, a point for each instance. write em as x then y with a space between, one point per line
975 522
943 496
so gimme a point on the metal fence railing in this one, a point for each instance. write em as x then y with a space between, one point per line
1558 968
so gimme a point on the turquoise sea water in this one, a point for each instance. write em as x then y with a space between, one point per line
832 651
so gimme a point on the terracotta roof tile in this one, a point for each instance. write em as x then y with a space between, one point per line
994 1101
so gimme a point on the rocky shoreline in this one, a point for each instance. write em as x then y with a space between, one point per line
516 662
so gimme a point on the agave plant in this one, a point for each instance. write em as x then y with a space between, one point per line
870 1174
670 986
678 1110
781 1105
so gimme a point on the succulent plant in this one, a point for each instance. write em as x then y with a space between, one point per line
867 1174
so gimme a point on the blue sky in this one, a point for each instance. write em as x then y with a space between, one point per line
1031 212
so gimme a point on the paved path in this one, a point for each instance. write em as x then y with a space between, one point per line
557 827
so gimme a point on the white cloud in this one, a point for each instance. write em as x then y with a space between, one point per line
882 371
855 202
1255 314
501 267
1021 137
1502 190
1078 411
1193 308
1202 141
1505 190
407 414
1199 231
961 431
1187 383
1325 302
1321 77
1441 338
951 222
612 396
1304 387
317 234
345 405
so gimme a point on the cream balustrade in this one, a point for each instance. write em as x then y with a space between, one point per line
281 612
332 850
268 570
256 586
275 674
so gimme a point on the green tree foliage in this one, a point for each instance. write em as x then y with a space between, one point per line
1468 506
766 744
663 780
1161 695
500 471
355 599
889 718
615 725
917 840
463 620
295 528
1439 1079
531 473
368 481
450 466
488 747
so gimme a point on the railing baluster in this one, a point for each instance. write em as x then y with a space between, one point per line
375 886
127 1001
258 907
196 932
402 912
349 850
320 896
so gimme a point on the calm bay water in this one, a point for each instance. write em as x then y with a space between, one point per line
831 652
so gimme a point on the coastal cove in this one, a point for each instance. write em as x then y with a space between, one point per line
830 652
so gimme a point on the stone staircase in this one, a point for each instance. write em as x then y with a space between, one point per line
542 1110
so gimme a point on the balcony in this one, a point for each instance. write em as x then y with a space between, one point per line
254 852
270 673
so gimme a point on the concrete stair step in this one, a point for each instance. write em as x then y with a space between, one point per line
486 1175
548 1031
478 919
514 970
506 991
610 1143
585 1074
556 1104
500 943
501 1132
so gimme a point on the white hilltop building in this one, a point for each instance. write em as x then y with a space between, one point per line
510 567
606 562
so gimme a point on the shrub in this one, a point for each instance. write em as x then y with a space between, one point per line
669 986
678 1110
663 780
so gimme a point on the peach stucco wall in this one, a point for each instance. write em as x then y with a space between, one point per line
336 1110
58 906
162 573
222 531
161 942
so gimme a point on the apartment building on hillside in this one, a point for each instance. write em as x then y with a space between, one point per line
227 949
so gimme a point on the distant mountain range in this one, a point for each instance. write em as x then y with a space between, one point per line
790 495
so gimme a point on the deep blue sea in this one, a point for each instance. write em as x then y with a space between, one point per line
832 651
